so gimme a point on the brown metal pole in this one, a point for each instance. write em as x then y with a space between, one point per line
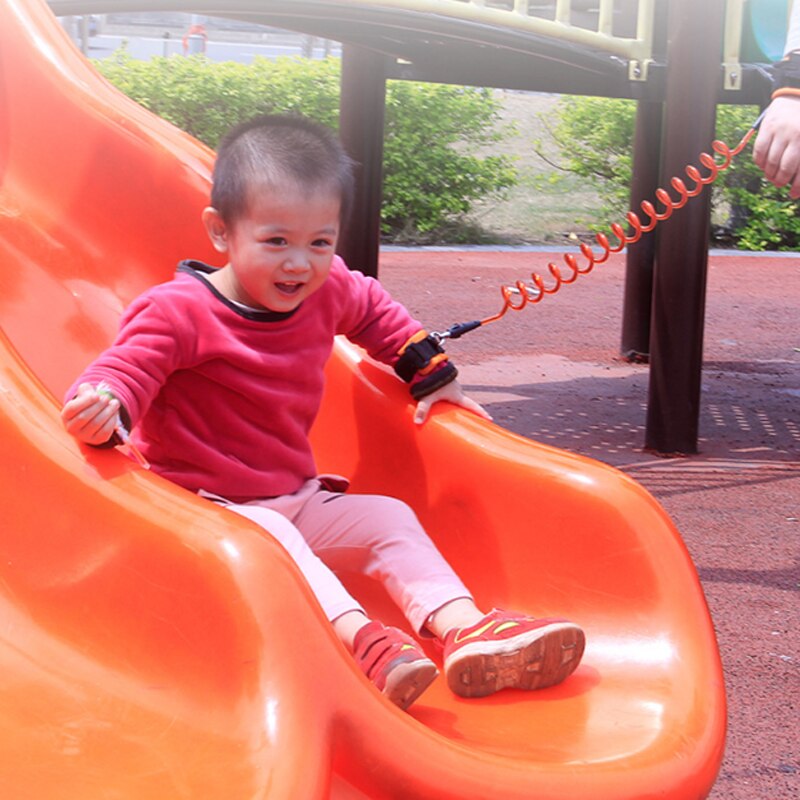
676 339
645 179
361 120
640 256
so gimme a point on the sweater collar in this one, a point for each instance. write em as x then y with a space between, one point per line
199 270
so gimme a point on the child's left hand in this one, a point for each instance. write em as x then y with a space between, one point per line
452 393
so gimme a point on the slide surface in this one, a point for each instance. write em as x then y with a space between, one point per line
155 646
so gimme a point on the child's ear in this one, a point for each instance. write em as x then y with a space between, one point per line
216 229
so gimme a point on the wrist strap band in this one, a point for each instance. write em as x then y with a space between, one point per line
446 373
786 91
420 355
424 364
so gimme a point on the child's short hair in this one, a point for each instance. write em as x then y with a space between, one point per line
274 150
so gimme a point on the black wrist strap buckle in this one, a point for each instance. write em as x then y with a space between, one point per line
417 355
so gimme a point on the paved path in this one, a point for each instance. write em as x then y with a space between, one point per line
553 373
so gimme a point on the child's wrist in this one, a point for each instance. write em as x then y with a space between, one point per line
423 363
420 355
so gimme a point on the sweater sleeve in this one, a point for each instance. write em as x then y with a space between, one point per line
372 318
146 351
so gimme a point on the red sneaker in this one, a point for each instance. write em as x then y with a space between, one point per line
506 650
394 662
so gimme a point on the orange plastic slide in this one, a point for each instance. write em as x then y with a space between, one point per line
155 646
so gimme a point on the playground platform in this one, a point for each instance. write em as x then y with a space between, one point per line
552 372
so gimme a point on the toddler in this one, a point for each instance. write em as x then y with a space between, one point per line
218 375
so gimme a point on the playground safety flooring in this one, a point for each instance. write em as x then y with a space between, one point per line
553 373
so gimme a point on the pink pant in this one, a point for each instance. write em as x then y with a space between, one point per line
378 536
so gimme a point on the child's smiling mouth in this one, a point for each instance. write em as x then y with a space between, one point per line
289 288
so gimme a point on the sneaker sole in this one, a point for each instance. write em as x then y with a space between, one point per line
406 682
533 660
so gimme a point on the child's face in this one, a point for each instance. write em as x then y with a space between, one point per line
280 251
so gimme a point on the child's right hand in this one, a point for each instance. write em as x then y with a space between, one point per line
91 416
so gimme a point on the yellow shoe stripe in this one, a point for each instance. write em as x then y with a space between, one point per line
480 631
504 626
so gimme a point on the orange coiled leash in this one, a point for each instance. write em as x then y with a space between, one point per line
516 297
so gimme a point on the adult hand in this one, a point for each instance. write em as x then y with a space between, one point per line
777 147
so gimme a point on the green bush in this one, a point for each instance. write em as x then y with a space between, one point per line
760 216
431 176
595 137
430 171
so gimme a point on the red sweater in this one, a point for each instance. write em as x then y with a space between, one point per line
222 398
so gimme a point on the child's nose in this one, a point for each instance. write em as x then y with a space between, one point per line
296 261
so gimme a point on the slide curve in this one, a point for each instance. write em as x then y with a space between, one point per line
153 645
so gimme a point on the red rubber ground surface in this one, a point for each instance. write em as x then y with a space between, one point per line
553 372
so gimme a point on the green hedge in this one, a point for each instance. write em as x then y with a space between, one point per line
595 136
432 173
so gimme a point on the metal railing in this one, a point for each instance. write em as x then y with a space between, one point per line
731 46
590 23
556 18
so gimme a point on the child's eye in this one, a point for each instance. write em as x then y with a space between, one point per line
275 241
322 243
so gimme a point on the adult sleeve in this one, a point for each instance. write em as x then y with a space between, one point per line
793 35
